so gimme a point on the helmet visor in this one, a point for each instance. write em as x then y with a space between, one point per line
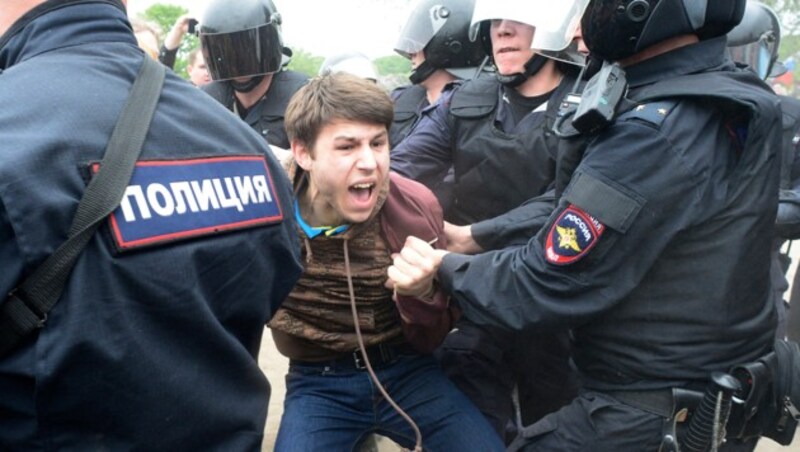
555 21
569 55
244 53
757 55
423 23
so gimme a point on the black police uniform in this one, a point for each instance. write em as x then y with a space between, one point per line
473 129
266 116
657 255
500 160
409 101
787 226
154 342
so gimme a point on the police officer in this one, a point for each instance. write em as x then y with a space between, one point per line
755 42
244 52
496 133
436 40
657 255
153 343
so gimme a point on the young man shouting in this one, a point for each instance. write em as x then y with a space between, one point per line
345 332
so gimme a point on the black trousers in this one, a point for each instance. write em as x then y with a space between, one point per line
487 363
793 327
599 423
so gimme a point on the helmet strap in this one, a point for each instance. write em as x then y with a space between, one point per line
421 73
249 85
534 65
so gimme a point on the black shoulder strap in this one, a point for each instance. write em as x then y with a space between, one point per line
475 98
407 102
25 309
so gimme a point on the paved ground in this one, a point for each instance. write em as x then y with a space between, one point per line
274 366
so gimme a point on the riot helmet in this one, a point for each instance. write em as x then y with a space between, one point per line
440 29
756 39
355 63
241 38
617 29
555 24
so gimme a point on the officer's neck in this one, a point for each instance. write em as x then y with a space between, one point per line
660 48
435 83
544 81
248 99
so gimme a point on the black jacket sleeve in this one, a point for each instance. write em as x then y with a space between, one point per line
167 57
516 226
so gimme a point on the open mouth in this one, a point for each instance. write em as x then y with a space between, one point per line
362 192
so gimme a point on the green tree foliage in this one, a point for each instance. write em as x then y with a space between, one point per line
165 15
305 62
393 65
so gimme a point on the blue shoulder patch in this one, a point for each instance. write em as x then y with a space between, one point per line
653 112
170 200
572 236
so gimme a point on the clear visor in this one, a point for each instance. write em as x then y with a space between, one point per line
569 55
555 20
421 26
757 55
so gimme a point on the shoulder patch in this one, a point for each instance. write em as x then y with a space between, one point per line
171 200
573 234
653 112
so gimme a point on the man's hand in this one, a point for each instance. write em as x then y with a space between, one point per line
414 269
459 239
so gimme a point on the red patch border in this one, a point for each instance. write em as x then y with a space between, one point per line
549 249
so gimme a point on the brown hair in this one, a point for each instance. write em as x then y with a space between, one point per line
332 97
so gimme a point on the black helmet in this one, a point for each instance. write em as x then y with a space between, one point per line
616 29
241 38
756 39
440 28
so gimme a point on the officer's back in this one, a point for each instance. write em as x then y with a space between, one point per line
153 343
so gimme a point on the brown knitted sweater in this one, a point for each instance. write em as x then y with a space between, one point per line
315 322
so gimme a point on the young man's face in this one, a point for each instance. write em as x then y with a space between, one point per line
346 169
198 72
511 45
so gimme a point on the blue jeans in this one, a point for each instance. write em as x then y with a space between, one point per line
335 411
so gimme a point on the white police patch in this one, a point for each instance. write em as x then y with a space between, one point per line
572 235
170 200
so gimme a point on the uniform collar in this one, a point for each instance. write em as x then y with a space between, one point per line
53 25
698 57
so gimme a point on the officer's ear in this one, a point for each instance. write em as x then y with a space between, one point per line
302 154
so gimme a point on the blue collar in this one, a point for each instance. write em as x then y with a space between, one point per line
312 231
